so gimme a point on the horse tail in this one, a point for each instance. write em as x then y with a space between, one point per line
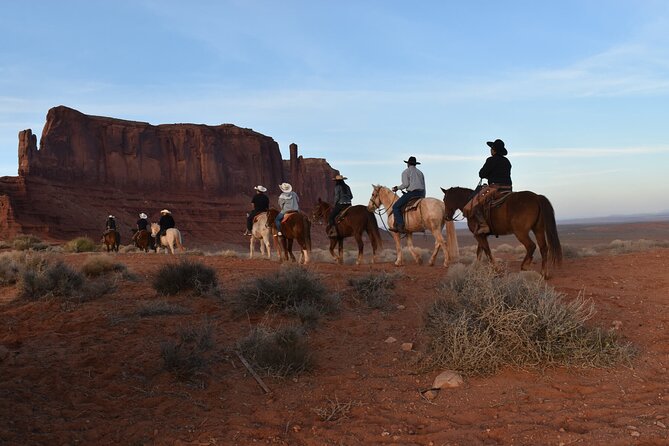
548 216
452 240
307 232
373 232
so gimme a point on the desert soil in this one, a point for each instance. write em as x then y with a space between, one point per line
92 373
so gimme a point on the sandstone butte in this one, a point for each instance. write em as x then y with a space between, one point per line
87 167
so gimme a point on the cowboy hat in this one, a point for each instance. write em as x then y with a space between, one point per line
260 188
498 146
165 211
111 216
143 215
285 187
412 161
339 177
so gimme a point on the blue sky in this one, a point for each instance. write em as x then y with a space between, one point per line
578 90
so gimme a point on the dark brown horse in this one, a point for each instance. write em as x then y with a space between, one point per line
143 240
518 214
294 226
356 220
111 239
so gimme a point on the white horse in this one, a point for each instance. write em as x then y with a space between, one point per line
429 215
262 233
171 238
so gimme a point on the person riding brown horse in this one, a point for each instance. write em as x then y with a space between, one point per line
342 200
497 170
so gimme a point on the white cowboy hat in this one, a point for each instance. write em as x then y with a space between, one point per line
285 187
111 216
165 211
339 177
260 188
143 215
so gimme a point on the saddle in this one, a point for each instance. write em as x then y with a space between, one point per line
412 204
287 215
342 214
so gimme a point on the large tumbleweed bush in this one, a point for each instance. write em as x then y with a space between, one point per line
81 244
292 290
486 319
278 352
186 275
374 290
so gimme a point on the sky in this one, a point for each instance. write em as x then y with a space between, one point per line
577 89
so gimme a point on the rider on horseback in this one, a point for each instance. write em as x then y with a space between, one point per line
342 200
166 222
142 225
288 201
110 224
414 182
260 204
497 170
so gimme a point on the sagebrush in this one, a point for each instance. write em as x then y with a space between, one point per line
186 275
277 352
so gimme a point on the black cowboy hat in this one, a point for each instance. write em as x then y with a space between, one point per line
498 146
412 161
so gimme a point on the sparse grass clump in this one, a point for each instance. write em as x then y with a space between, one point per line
10 268
50 280
186 276
374 289
28 241
185 358
282 352
488 320
293 290
81 244
98 265
148 308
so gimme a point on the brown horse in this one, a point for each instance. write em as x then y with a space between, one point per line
294 226
111 239
518 214
356 220
143 240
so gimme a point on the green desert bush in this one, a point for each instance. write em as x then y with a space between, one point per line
28 241
486 320
81 244
186 275
374 290
277 352
101 264
293 290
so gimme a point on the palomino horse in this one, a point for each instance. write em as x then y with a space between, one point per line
262 233
112 239
356 220
171 238
519 213
429 215
294 226
143 240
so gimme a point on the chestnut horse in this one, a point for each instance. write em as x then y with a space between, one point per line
112 239
428 215
143 240
520 213
294 226
356 220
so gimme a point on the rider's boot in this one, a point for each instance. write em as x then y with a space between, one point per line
481 225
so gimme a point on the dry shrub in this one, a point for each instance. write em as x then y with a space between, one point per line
185 358
487 320
625 246
81 244
50 280
335 410
175 278
147 308
10 267
293 290
374 289
277 352
28 241
101 264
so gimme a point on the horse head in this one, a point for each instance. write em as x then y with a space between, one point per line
320 211
155 229
374 200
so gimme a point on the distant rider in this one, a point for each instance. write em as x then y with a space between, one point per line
342 199
288 201
142 225
166 222
260 204
110 224
414 182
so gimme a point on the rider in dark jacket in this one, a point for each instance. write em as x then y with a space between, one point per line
166 221
110 224
342 200
260 203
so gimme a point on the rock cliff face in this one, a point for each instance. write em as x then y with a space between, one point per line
89 166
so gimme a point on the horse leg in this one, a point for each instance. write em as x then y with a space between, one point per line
289 243
333 243
252 247
438 244
361 247
540 235
483 247
399 261
340 250
412 249
526 240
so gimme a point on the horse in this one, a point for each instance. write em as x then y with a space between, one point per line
112 239
356 220
261 232
519 213
143 240
429 215
294 226
171 238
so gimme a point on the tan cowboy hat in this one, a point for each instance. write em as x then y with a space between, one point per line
260 188
339 177
165 211
143 215
285 187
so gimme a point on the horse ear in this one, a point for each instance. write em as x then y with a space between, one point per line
443 190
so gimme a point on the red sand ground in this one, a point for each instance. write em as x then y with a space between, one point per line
93 374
